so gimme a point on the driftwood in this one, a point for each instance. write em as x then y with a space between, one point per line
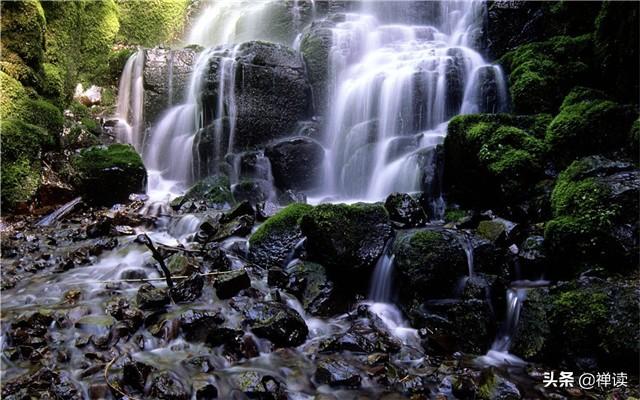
142 280
158 257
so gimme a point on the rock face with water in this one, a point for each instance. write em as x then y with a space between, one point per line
296 163
271 93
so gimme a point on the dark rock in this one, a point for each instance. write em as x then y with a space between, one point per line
337 373
265 210
254 191
274 321
241 209
135 374
30 330
289 197
532 257
240 226
149 297
494 386
315 46
403 209
367 336
198 325
206 392
231 283
296 163
429 263
214 191
346 239
120 308
257 385
499 231
107 175
274 241
188 289
309 283
169 387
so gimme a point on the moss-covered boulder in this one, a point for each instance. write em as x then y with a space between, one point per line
595 212
493 159
588 123
404 210
20 180
429 263
22 35
315 46
107 175
275 240
346 239
149 23
214 191
541 73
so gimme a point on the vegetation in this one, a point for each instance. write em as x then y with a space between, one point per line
152 22
286 219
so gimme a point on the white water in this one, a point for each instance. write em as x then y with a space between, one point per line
390 98
130 110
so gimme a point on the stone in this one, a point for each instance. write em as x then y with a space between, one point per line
149 297
283 326
337 373
296 163
189 289
404 210
231 283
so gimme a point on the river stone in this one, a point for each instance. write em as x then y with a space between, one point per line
166 78
346 239
429 263
283 326
231 283
252 190
240 226
150 297
404 210
258 385
337 373
189 289
272 96
296 163
167 386
197 325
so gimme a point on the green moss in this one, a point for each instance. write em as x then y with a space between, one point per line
22 30
22 141
116 155
587 127
44 114
151 22
284 220
542 73
12 65
12 97
53 86
213 189
20 180
581 94
117 61
454 215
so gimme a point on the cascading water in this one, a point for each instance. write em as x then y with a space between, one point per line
130 110
394 87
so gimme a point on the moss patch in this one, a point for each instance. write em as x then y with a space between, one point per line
152 22
20 180
286 219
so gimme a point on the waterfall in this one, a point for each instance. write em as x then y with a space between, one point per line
382 283
129 109
393 89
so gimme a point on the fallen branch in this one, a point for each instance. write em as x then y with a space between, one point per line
158 257
113 387
142 280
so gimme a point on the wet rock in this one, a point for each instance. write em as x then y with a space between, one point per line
403 209
278 323
95 323
254 190
120 308
240 226
216 259
296 163
272 96
42 384
429 263
188 289
214 191
257 385
265 210
308 282
315 46
532 257
169 387
290 196
134 273
107 175
274 241
197 325
346 239
499 231
135 374
149 297
366 336
493 386
30 331
123 230
90 97
230 284
206 392
337 373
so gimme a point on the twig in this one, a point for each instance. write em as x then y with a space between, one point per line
140 280
113 387
158 257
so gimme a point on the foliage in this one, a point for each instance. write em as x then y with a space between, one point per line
152 22
20 180
285 219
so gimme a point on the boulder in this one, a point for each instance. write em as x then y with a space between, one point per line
271 97
214 191
296 163
108 175
429 263
283 326
200 325
231 283
346 239
150 297
315 46
166 77
187 290
404 210
337 373
165 385
308 282
252 190
275 240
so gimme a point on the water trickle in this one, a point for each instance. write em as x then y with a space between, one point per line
130 110
382 282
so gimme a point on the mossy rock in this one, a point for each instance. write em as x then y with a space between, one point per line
429 263
44 114
107 175
542 73
493 159
277 237
213 190
346 239
20 181
12 97
22 32
594 205
152 22
21 140
53 85
587 125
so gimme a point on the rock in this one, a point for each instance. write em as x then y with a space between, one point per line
149 297
403 209
240 226
214 191
289 197
167 386
119 308
429 263
90 97
365 336
532 257
258 385
254 191
206 392
499 231
265 210
274 321
135 374
95 323
309 283
296 163
189 289
241 209
493 386
107 175
166 79
231 283
271 97
200 325
273 242
337 373
346 239
315 46
30 331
